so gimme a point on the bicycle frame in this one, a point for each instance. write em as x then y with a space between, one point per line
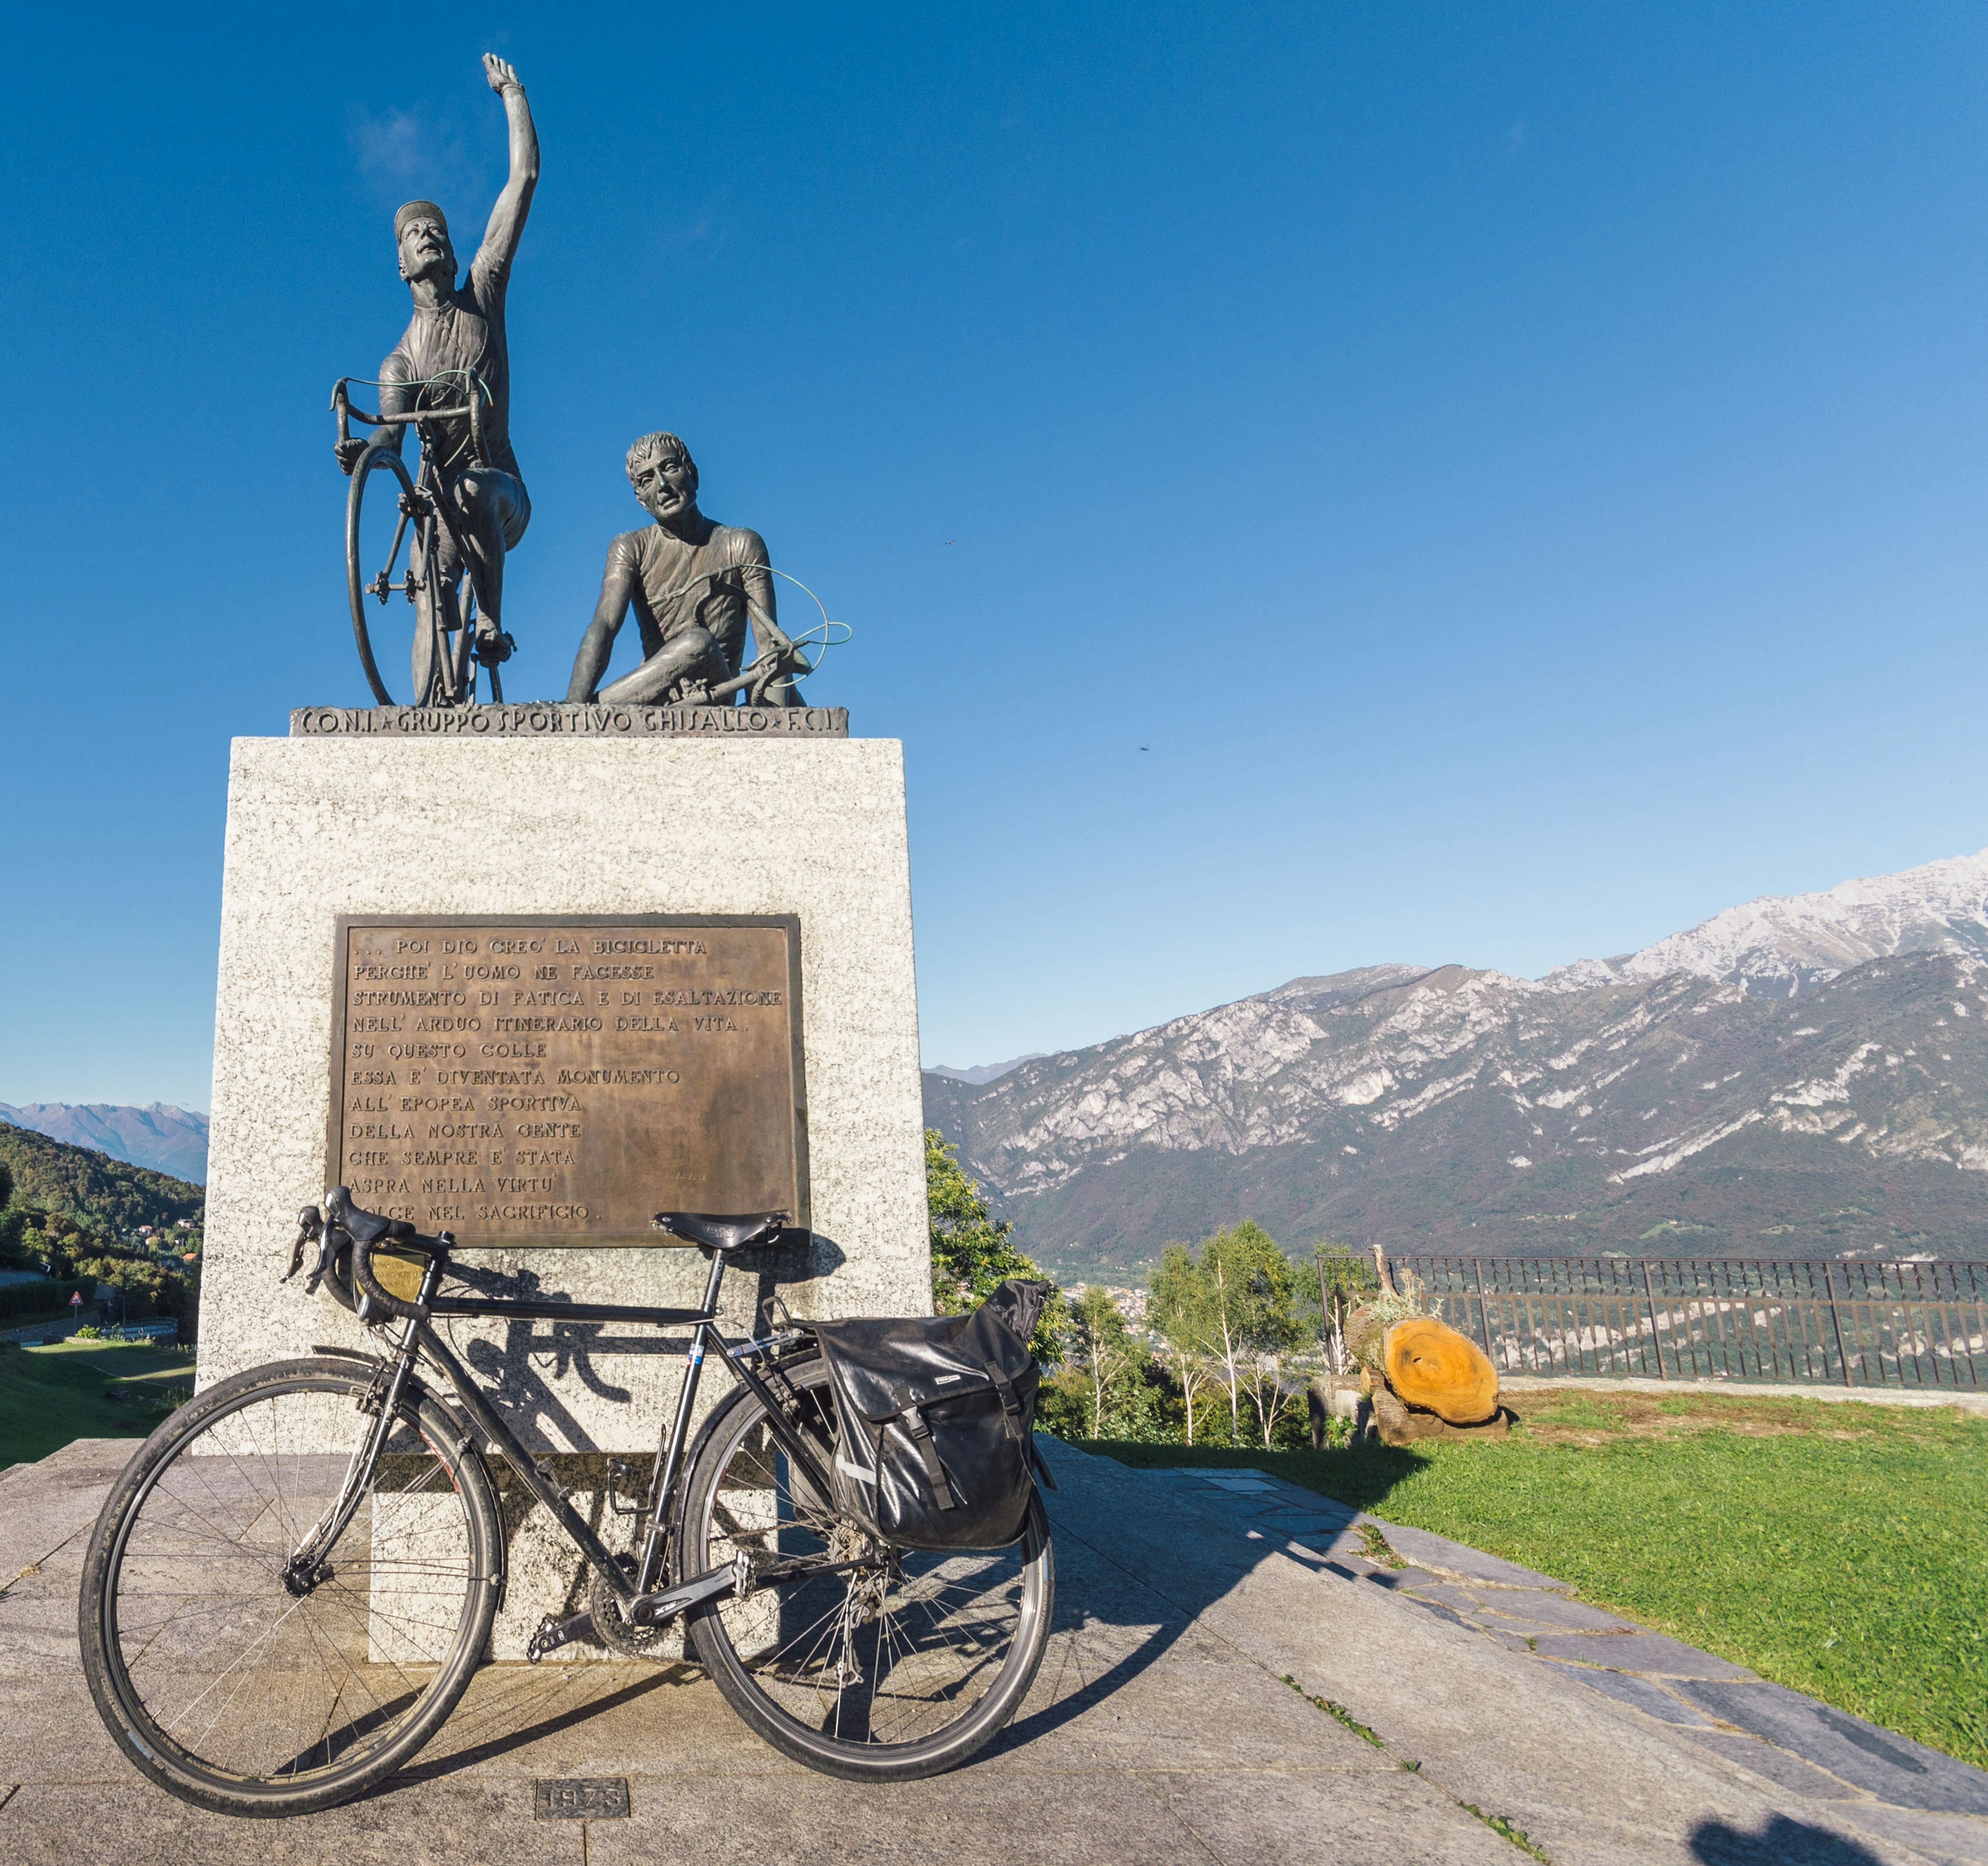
646 1603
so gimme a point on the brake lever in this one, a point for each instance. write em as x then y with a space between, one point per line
327 1259
310 1227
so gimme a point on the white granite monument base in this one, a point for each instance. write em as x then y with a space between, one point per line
322 826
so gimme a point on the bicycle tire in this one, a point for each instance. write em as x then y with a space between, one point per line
770 1685
167 1524
355 591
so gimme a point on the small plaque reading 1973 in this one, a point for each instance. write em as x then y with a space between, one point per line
582 1798
531 1081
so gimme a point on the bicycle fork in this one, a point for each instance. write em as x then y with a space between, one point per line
306 1567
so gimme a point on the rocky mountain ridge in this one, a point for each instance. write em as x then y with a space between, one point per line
1802 1076
1783 945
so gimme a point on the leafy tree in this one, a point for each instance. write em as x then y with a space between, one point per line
971 1253
149 1288
1177 1310
1329 1289
1229 1303
1133 1400
1102 1346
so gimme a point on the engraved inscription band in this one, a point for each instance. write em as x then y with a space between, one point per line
550 719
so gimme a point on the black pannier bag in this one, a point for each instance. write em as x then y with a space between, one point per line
935 1419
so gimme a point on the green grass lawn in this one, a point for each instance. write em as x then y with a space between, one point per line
51 1395
1839 1549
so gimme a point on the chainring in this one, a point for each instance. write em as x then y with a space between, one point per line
617 1634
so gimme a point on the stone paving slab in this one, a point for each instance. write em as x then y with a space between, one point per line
1892 1766
67 1489
1446 1557
1538 1612
131 1823
1215 1646
1953 1840
1645 1695
1483 1598
1776 1764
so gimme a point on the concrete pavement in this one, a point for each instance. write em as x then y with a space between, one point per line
1234 1677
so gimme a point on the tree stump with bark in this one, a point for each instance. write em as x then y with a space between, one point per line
1425 1381
1329 1397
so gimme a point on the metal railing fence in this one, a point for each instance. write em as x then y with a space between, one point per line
1851 1324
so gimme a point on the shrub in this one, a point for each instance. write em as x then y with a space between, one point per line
972 1251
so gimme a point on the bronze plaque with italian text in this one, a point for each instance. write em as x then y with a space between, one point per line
537 1081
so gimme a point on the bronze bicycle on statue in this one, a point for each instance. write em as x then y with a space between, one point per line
450 419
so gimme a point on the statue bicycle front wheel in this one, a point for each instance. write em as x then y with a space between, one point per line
880 1670
229 1677
410 516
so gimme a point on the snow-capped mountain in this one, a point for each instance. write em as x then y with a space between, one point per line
1783 945
1673 1101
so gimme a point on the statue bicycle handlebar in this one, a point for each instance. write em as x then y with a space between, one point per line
473 410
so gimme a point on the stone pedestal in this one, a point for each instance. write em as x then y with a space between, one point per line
319 827
322 826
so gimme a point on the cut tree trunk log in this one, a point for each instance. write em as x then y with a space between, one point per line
1399 1423
1432 1367
1424 1381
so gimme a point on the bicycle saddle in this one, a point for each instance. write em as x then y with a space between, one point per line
363 1227
718 1231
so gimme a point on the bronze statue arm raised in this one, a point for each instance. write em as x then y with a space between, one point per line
507 217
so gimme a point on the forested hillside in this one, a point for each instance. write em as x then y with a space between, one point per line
95 1193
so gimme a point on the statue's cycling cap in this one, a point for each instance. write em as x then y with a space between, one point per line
414 208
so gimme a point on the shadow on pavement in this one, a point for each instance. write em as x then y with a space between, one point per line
1362 1476
1782 1842
509 1706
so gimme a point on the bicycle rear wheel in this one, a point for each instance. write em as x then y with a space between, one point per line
232 1683
901 1666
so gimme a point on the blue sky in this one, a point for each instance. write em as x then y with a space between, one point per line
1519 471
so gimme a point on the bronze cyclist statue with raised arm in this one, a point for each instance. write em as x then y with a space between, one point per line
453 357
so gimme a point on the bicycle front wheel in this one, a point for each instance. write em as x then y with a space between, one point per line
900 1665
375 535
240 1685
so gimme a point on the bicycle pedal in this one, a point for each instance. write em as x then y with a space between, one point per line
554 1634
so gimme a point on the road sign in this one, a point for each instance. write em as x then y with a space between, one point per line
75 1299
